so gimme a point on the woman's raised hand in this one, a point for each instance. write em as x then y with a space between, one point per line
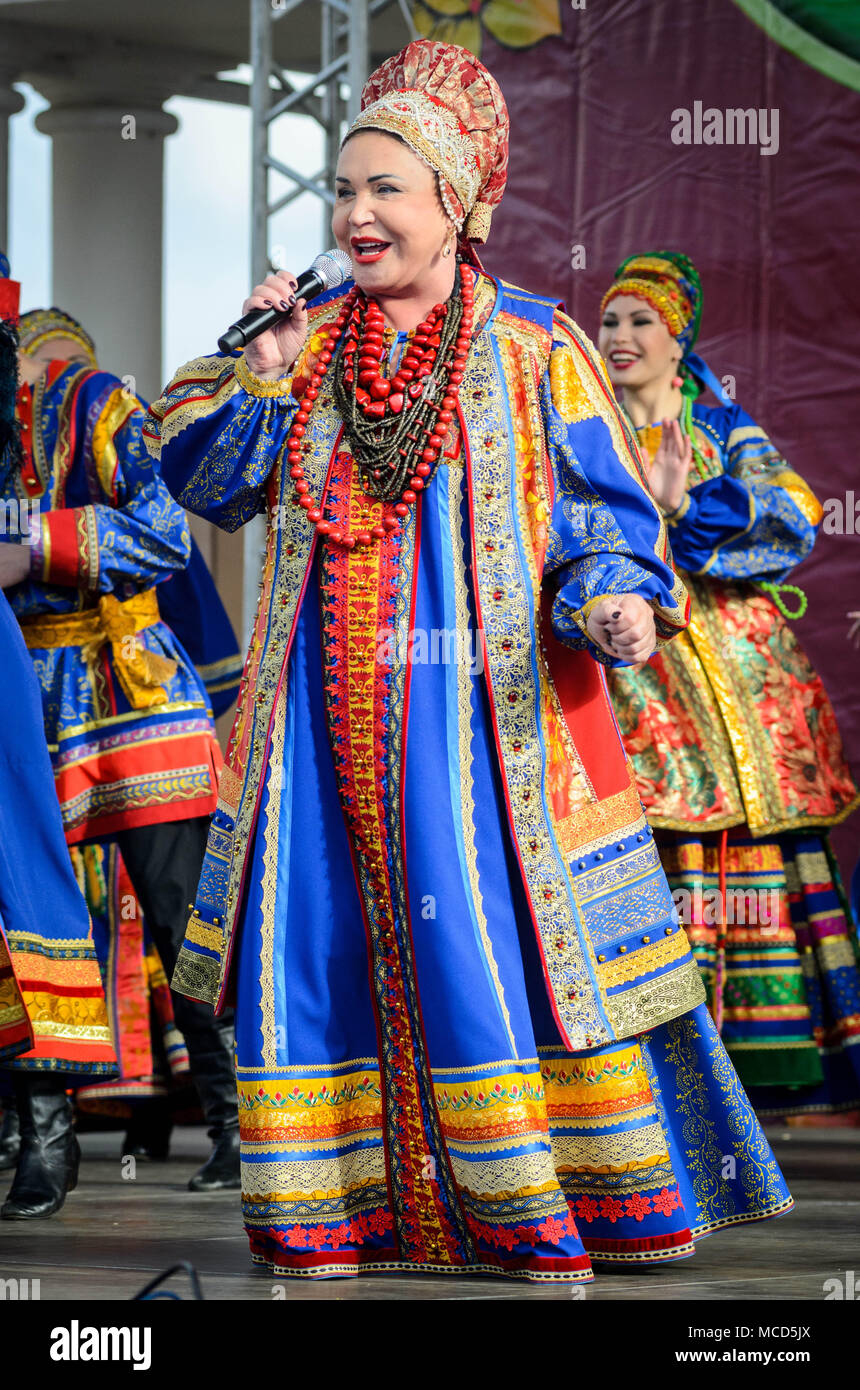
272 354
672 462
624 628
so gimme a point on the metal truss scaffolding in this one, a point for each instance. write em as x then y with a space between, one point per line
331 96
344 28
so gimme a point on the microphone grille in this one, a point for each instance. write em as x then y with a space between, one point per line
333 267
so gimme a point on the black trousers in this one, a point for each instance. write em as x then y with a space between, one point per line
164 863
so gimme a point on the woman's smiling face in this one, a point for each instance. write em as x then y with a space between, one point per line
636 344
388 215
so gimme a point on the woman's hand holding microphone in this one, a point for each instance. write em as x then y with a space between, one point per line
274 352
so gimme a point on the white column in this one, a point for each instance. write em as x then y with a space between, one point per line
108 175
10 102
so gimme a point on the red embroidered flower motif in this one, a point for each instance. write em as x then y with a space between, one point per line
552 1230
638 1206
295 1236
341 1235
316 1237
587 1208
612 1209
379 1221
504 1237
666 1201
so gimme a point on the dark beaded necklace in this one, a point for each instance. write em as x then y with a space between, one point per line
396 427
392 432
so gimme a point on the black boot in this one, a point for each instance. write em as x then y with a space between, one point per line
48 1164
149 1129
215 1078
10 1134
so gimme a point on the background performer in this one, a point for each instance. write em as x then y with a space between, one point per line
128 723
738 758
53 1023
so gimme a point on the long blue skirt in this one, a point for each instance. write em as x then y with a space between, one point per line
52 1007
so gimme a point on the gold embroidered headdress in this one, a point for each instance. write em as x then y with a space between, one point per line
39 326
450 111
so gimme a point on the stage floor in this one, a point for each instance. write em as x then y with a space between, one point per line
115 1234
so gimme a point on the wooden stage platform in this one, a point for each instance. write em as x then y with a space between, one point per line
115 1234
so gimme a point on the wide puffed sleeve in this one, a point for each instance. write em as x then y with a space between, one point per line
137 534
218 431
757 519
606 535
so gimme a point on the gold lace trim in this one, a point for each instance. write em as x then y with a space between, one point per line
465 735
258 386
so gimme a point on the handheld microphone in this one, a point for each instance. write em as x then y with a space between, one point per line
329 270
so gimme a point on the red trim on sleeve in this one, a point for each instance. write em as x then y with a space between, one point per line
63 561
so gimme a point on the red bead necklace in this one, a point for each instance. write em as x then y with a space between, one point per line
379 399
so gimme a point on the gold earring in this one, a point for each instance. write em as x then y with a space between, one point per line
446 249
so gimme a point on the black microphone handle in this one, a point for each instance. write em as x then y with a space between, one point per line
257 321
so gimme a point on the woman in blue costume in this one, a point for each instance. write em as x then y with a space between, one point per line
188 600
140 1009
54 1029
470 1034
130 731
735 743
53 1022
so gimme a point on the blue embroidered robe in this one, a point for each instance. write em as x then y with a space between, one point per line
432 874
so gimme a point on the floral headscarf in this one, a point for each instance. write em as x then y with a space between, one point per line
670 283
